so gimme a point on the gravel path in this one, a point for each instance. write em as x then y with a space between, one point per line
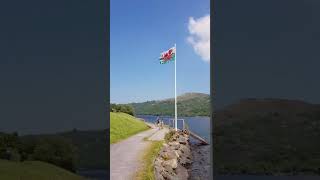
125 155
159 135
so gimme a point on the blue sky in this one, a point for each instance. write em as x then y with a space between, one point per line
139 31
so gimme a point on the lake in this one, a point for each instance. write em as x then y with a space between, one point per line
198 125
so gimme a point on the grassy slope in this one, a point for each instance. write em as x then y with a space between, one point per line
267 137
189 104
34 170
91 142
123 126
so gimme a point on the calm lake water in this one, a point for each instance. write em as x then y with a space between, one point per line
198 125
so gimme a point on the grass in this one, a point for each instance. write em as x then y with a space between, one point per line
34 170
168 136
147 171
123 125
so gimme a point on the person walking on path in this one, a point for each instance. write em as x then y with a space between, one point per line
158 122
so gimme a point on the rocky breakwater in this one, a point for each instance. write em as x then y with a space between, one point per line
174 159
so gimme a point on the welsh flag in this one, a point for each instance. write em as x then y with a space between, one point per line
168 56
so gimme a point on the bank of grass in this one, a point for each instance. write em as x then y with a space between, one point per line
34 170
147 170
123 125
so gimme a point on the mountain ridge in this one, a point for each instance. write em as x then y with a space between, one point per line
188 104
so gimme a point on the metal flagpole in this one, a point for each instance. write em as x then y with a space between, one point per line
175 87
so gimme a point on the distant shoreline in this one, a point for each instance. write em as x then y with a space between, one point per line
170 116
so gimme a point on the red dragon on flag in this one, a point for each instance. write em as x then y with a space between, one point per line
168 56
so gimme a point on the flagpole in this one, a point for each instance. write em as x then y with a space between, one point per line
175 87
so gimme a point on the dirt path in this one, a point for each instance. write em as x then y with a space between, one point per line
124 155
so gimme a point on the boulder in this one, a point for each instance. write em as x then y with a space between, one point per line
173 163
166 149
169 155
183 140
158 162
185 161
174 145
158 176
182 172
169 176
185 150
176 153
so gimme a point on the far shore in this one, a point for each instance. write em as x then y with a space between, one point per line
170 116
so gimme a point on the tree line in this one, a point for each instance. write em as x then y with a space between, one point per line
52 149
122 108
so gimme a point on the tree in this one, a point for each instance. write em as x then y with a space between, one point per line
9 146
122 108
57 151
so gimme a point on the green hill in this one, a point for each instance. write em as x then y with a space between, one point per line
123 125
91 148
34 170
267 136
189 104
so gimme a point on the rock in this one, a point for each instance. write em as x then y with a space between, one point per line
158 162
169 176
183 140
166 149
184 161
158 176
185 150
171 163
176 153
174 145
169 155
182 172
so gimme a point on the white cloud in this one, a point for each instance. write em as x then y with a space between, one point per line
199 38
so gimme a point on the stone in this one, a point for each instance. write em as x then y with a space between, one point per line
174 145
166 149
176 153
184 161
169 155
182 172
185 150
171 163
183 140
169 176
158 176
158 162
